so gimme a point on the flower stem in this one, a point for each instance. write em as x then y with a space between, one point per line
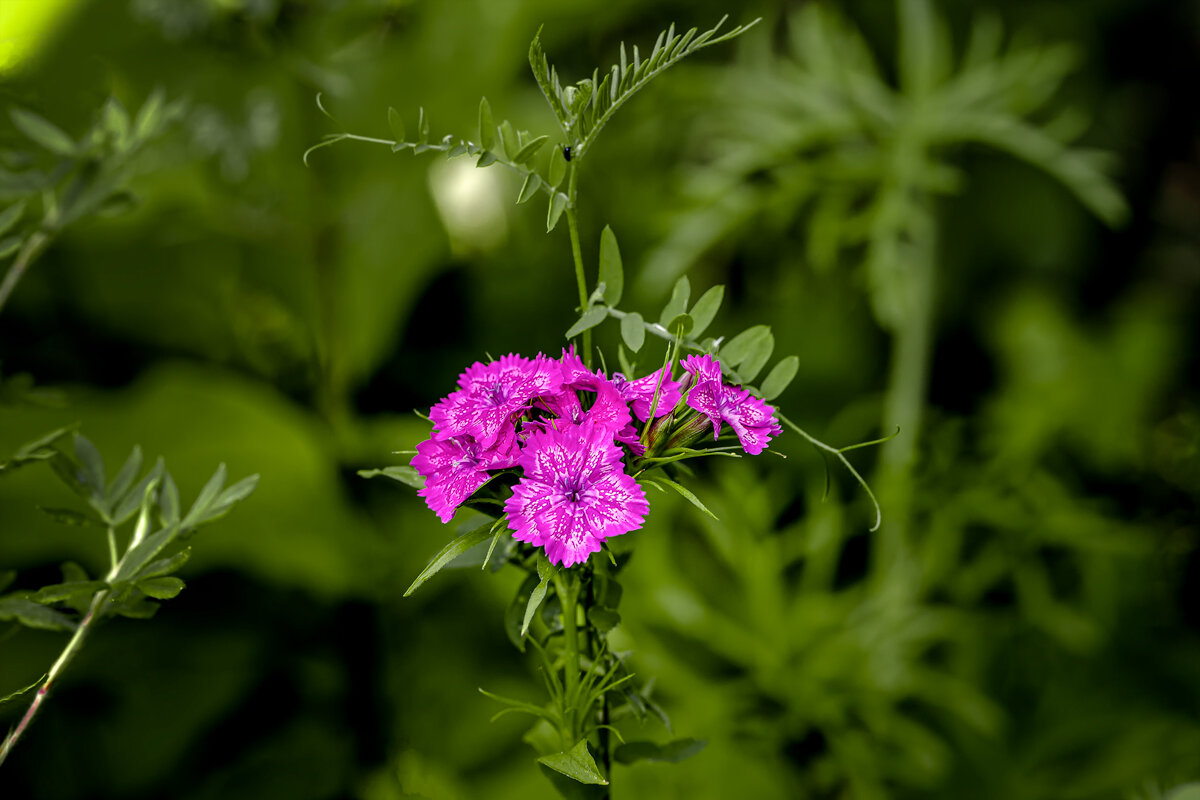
64 658
566 587
32 248
577 255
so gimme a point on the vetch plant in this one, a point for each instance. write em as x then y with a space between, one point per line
140 573
555 455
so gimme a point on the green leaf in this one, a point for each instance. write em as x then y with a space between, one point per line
205 499
120 485
137 557
672 752
116 122
487 126
780 376
92 464
43 132
448 553
590 319
396 124
531 148
533 182
535 600
633 331
168 499
486 159
59 592
224 502
165 566
422 126
706 308
163 588
518 705
603 619
736 349
680 325
404 474
509 141
38 450
757 357
514 615
139 608
611 272
34 615
132 501
683 491
558 203
678 302
10 216
576 763
149 116
627 367
10 245
67 516
19 692
558 168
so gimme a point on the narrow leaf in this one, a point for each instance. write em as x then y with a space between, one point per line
633 331
67 516
205 499
56 593
779 377
406 475
535 599
125 478
590 319
143 551
165 566
448 553
577 764
683 491
678 302
92 464
611 272
486 159
10 215
509 141
43 132
515 613
526 153
19 692
706 308
132 501
396 124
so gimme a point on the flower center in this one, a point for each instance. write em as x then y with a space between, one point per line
497 395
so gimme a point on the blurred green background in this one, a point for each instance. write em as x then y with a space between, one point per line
1026 623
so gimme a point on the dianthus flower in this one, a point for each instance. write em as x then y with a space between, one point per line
454 468
608 410
491 396
751 419
574 493
639 393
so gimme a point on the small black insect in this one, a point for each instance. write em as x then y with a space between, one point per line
567 152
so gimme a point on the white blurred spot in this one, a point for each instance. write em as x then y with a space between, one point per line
471 203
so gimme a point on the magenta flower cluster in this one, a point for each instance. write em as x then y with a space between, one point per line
568 432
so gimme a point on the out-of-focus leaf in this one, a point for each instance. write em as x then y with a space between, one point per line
590 319
402 474
779 378
677 305
673 751
43 132
10 216
396 124
739 347
706 308
34 615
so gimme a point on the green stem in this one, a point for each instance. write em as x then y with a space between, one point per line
566 586
32 248
577 255
64 658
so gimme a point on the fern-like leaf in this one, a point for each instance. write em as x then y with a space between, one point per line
584 109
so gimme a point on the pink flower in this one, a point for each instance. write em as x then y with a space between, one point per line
574 493
608 410
640 393
491 396
454 468
751 419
